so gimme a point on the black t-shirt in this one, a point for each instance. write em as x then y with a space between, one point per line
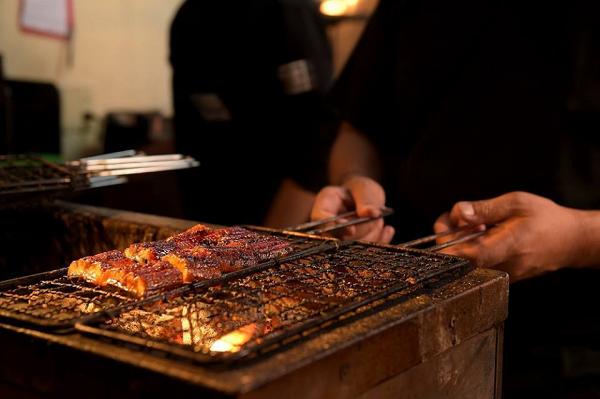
464 100
249 83
470 99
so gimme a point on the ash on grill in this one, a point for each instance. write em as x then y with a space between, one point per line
264 311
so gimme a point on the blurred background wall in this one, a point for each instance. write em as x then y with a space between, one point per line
116 60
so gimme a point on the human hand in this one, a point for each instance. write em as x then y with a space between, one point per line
364 195
529 235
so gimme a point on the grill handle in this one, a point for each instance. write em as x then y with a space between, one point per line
312 227
434 237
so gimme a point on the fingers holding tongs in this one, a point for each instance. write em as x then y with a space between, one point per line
337 222
456 236
462 234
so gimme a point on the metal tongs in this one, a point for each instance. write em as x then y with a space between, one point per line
351 218
109 169
332 223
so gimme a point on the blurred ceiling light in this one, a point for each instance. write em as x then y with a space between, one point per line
336 8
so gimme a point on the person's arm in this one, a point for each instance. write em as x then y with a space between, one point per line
301 61
353 169
290 206
588 252
526 235
352 155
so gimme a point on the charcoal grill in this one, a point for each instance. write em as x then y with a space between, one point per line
267 306
325 336
259 312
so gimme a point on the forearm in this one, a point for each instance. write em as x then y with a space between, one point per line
353 154
290 206
587 252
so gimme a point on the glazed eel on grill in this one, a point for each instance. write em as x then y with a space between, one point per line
198 253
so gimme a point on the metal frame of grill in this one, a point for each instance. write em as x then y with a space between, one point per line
370 276
54 301
51 300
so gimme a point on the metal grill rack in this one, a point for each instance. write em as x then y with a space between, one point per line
54 301
262 312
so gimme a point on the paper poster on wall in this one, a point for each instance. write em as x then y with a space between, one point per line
53 18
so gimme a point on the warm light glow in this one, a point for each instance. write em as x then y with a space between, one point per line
233 341
334 8
222 346
185 329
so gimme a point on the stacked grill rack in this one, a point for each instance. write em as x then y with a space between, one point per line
241 315
25 177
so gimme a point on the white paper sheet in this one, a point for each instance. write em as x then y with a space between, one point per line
49 17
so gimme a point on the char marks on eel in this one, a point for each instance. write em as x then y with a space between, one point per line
196 254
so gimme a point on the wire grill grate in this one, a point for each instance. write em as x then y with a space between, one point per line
53 300
269 309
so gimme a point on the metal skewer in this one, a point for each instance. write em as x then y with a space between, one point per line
103 181
128 163
118 154
135 171
139 164
132 159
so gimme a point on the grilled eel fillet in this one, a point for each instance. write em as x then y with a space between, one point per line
224 251
201 263
145 252
199 254
196 254
113 268
95 268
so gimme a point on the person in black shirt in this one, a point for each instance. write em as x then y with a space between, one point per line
249 79
446 101
450 100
